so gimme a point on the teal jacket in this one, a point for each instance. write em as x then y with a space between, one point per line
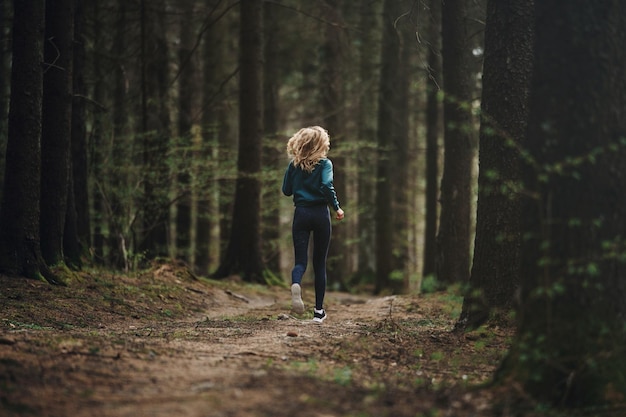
311 189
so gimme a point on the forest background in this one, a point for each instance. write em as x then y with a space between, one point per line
158 130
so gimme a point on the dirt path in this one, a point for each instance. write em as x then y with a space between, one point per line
181 347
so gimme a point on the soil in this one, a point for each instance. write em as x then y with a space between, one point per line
165 343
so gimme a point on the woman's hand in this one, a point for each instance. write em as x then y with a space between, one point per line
339 214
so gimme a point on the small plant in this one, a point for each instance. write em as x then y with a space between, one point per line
310 367
480 345
343 376
30 326
429 284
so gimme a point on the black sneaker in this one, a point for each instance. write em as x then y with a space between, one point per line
319 317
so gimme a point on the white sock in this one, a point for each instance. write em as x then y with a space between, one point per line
319 311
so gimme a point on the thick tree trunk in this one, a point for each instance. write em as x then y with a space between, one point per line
384 183
569 350
20 252
56 127
243 254
495 272
392 164
453 254
5 76
273 150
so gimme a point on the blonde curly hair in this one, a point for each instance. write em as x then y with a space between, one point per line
308 146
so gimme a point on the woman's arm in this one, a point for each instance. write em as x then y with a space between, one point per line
327 186
287 181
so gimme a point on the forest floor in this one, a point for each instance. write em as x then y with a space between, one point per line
164 343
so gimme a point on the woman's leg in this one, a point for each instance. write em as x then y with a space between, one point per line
300 232
321 242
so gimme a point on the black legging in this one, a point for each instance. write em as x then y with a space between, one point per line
314 219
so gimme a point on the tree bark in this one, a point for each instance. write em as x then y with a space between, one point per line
495 272
207 187
117 178
19 214
569 350
97 132
155 129
332 103
401 150
273 149
243 254
186 101
384 221
433 134
369 33
5 74
453 254
392 141
76 241
56 127
71 245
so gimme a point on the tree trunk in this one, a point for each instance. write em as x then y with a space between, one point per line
186 97
388 140
332 103
76 241
453 253
155 128
96 133
433 133
71 245
5 78
56 127
118 178
273 140
495 272
243 254
401 152
20 252
207 190
569 350
369 28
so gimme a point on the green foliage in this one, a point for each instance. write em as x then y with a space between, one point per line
63 274
310 367
272 279
430 284
30 326
343 376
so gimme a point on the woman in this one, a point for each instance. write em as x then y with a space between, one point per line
309 178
